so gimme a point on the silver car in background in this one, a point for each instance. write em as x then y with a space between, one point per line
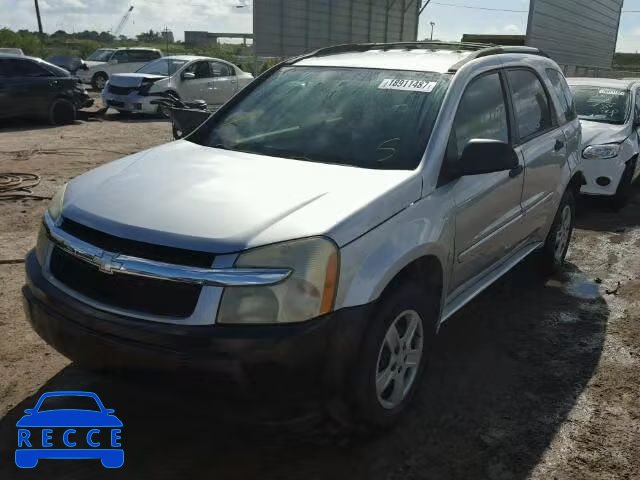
187 77
610 114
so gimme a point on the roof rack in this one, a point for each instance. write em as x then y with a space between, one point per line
478 50
364 47
497 50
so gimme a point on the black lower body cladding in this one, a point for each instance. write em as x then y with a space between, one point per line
307 357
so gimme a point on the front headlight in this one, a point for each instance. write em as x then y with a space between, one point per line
309 291
601 152
55 207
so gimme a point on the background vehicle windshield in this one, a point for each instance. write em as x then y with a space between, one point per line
101 55
162 66
599 104
366 118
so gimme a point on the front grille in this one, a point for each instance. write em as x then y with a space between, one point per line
121 90
136 294
134 248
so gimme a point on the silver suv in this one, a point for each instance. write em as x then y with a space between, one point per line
314 234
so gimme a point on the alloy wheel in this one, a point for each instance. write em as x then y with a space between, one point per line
399 359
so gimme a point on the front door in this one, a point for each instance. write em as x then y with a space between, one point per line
488 211
197 88
225 83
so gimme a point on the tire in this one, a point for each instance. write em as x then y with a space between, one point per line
379 397
623 192
555 249
62 111
99 80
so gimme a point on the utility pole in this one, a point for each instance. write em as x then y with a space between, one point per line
39 19
433 24
166 37
41 33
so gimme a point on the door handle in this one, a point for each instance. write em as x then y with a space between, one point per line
559 145
516 171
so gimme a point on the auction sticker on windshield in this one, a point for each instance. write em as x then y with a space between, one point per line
407 85
611 91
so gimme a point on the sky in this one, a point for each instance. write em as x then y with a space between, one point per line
223 16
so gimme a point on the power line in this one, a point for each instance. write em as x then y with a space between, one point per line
473 7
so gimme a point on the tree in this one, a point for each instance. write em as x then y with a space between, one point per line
149 36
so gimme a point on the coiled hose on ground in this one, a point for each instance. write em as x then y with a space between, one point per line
15 186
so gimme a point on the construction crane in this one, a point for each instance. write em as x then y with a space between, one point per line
123 22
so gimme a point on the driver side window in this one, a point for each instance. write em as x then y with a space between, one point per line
482 114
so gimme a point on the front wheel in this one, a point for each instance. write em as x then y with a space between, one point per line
99 80
62 111
393 356
556 246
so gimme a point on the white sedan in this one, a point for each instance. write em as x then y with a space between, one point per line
187 77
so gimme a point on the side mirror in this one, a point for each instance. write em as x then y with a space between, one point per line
109 411
113 61
188 76
487 156
29 411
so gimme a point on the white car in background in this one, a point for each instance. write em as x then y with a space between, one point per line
187 77
610 115
121 60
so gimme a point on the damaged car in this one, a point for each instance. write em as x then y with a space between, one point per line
610 116
185 77
31 87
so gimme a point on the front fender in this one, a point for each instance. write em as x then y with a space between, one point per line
371 262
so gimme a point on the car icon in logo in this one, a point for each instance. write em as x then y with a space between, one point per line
69 425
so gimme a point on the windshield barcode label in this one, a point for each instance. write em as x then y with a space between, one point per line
610 91
407 85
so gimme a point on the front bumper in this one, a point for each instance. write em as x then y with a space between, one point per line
608 171
286 360
134 102
83 100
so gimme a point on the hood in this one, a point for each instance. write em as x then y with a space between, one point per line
133 79
93 63
69 418
598 133
189 196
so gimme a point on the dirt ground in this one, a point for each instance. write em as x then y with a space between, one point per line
532 380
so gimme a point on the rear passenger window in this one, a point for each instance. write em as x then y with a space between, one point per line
563 93
482 114
530 104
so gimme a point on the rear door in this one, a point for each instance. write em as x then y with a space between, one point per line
543 145
224 83
488 211
139 58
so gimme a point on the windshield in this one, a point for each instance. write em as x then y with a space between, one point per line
101 55
599 104
365 118
162 66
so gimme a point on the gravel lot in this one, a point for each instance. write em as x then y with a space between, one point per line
532 380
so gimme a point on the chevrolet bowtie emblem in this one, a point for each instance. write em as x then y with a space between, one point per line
107 263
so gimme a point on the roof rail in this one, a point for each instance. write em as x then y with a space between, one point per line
478 50
496 50
364 47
